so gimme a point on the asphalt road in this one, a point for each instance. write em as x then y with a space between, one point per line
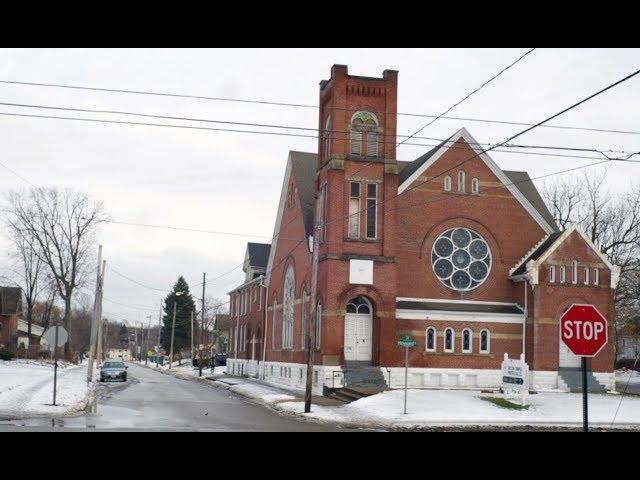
154 401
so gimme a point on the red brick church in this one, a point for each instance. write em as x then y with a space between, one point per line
449 249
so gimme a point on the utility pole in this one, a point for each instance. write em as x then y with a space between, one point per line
173 331
159 333
192 348
147 346
94 321
100 320
311 327
204 285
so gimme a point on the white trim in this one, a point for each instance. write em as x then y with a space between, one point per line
488 350
614 269
444 300
438 315
453 341
281 205
470 349
497 171
435 339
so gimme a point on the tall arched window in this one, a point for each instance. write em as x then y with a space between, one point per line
448 340
475 185
318 326
467 338
574 271
326 139
447 183
364 125
304 315
461 181
430 342
288 298
484 341
563 274
273 324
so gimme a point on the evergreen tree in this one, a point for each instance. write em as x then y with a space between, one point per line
123 336
184 306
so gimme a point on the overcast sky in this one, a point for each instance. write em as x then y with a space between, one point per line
231 181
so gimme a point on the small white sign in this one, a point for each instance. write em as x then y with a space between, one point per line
515 377
361 272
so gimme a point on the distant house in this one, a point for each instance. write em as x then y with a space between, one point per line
222 326
33 342
119 354
627 345
10 311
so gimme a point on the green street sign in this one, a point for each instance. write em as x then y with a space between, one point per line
407 342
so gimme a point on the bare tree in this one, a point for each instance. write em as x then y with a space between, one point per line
61 225
612 222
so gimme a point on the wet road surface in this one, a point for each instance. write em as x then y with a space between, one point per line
154 401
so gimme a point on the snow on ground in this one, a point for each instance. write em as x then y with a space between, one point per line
628 376
446 407
26 388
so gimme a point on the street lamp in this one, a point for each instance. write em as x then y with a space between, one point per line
173 329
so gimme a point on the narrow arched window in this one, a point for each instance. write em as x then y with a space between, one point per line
475 185
273 324
288 299
326 139
484 341
447 183
552 273
563 274
430 342
364 126
461 181
304 318
467 338
574 271
318 326
586 275
448 340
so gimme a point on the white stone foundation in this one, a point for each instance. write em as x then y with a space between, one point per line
293 375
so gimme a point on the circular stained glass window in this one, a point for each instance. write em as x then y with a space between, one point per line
461 259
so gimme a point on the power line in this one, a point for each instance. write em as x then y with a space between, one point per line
260 125
512 137
134 281
301 105
467 96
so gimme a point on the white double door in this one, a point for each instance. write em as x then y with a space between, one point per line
357 337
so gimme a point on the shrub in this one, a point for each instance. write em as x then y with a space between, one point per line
6 355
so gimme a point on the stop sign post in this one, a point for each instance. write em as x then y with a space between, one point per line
583 329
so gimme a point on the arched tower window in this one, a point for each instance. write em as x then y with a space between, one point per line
288 298
364 125
359 305
326 139
461 181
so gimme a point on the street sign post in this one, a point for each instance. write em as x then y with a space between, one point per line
407 342
56 336
583 329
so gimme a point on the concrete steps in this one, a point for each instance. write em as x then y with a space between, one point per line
571 379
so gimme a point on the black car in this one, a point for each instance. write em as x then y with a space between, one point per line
219 360
113 370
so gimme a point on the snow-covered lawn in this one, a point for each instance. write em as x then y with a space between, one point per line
456 407
26 388
628 376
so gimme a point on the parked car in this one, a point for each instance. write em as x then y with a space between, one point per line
219 360
113 370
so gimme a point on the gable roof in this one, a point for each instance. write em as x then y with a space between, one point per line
523 182
10 300
409 168
534 254
410 174
258 254
304 171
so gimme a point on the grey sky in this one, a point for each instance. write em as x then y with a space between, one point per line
231 181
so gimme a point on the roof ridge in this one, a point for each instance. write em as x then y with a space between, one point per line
529 253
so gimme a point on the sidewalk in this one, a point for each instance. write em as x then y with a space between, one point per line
437 409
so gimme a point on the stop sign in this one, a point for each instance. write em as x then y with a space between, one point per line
583 330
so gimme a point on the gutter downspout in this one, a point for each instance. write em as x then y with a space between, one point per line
524 324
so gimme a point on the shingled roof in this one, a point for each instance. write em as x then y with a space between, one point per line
10 300
304 166
536 253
